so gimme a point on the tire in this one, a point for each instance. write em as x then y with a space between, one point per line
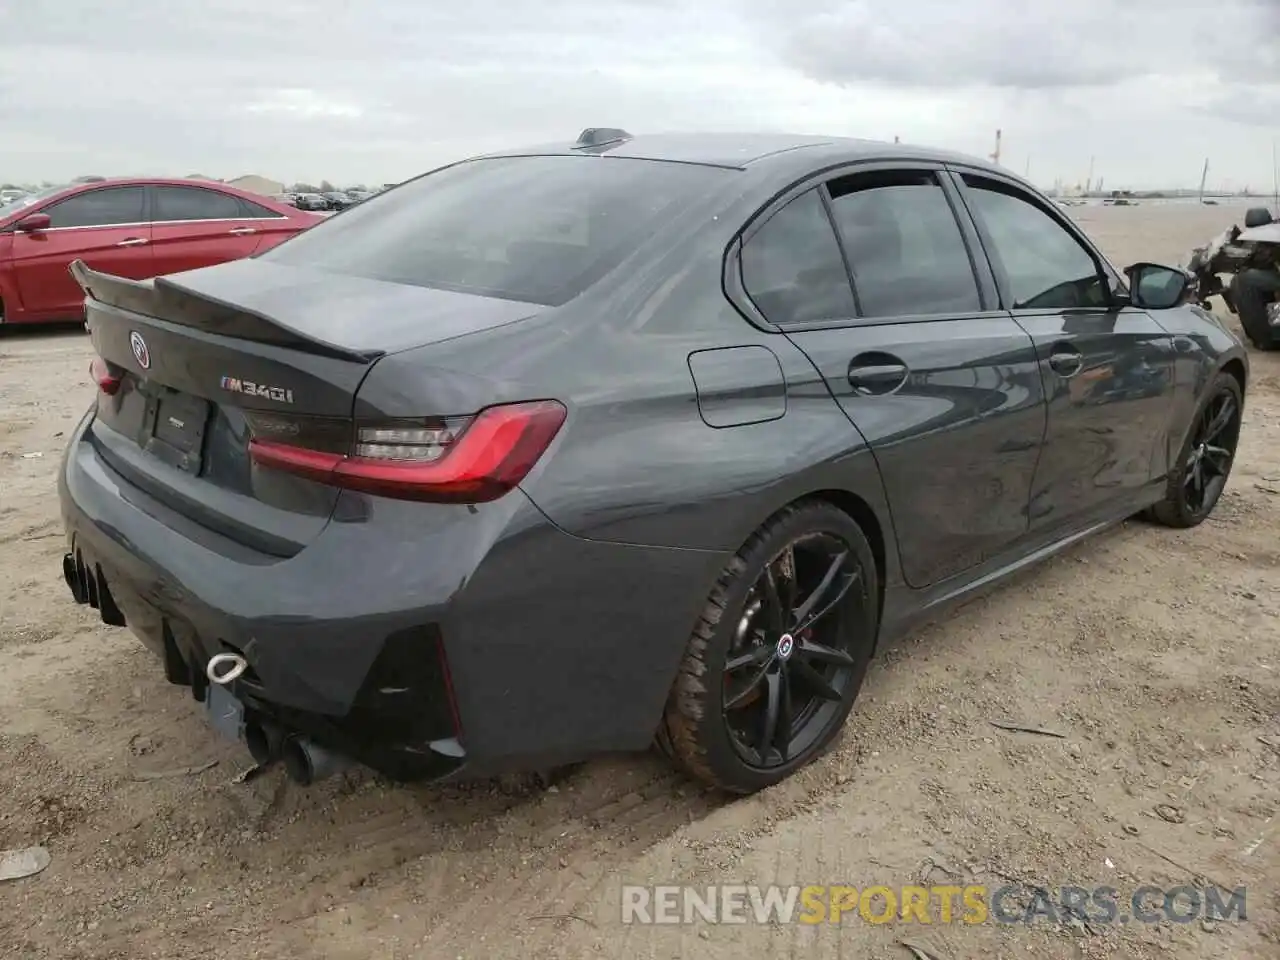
1180 508
738 624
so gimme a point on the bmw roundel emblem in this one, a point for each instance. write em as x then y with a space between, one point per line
140 351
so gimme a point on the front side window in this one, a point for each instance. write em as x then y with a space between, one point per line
108 207
194 203
904 245
1045 266
792 268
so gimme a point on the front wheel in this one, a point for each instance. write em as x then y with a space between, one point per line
779 653
1200 474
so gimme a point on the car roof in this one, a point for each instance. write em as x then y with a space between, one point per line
743 150
156 182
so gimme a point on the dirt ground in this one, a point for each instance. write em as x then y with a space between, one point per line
1156 653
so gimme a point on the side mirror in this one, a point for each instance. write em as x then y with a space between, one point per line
1257 217
1155 287
34 223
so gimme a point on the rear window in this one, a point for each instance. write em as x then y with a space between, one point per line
537 229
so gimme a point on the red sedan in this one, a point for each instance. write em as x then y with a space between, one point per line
133 228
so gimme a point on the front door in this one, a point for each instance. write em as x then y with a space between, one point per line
1106 370
944 390
198 227
105 227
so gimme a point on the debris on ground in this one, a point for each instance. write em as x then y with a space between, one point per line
1020 728
17 864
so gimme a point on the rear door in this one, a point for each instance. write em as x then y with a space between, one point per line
943 386
1106 371
105 227
198 227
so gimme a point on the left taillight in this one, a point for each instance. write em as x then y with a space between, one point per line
450 460
108 380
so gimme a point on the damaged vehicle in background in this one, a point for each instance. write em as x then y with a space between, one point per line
1251 258
569 450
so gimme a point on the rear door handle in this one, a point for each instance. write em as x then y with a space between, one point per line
875 374
132 242
1066 360
241 231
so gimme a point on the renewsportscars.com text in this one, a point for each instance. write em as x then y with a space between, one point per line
972 904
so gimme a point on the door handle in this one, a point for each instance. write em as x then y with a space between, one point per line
1066 361
876 374
133 242
241 231
1183 344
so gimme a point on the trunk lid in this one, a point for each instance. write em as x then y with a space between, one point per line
198 363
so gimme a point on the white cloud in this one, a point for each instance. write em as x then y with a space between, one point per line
344 91
304 103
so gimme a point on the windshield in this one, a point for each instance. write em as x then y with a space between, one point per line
536 229
27 199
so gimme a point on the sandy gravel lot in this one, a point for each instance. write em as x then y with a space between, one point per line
1156 653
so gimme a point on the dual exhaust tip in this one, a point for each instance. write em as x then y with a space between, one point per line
305 761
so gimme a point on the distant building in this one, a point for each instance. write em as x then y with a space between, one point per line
256 184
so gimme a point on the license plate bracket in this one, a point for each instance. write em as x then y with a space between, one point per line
177 427
224 712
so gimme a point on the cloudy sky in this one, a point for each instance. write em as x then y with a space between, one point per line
381 90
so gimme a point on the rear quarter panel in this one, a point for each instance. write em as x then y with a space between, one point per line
636 462
272 233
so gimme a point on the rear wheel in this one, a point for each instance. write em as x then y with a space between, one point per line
779 654
1204 463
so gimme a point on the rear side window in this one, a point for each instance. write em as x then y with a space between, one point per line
536 229
904 245
193 203
1044 265
109 207
256 211
792 268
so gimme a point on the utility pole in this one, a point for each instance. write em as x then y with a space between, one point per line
995 156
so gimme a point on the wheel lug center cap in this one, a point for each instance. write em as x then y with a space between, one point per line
786 646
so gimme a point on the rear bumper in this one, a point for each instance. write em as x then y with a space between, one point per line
420 640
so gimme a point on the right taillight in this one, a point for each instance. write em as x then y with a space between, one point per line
456 460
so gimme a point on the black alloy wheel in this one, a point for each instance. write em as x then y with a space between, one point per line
1212 450
1198 478
777 659
788 663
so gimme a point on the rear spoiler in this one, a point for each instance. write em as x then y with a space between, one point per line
163 299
